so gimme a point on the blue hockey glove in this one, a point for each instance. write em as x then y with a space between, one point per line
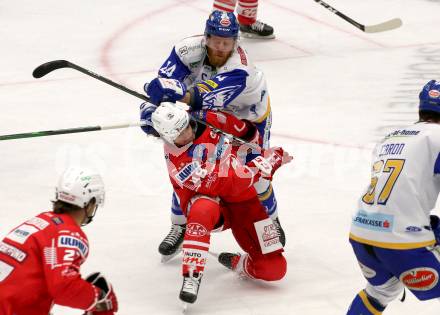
162 89
435 226
146 110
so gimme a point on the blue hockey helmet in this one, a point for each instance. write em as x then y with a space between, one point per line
223 24
430 97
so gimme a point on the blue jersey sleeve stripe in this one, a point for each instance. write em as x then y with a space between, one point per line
437 165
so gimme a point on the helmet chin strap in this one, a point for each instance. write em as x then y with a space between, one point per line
88 218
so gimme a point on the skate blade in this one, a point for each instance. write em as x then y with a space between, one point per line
167 258
184 307
255 36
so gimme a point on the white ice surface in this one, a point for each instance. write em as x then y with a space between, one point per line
334 91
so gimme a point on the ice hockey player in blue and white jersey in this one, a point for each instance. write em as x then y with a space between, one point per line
212 71
394 236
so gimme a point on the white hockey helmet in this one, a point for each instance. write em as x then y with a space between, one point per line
77 186
169 120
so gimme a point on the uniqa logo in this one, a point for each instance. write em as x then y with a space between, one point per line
72 242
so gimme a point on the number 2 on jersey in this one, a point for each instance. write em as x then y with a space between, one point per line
394 168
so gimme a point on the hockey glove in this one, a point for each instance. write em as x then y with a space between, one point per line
106 304
167 90
435 227
146 110
270 161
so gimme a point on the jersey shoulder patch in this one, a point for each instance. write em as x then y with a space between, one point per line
40 223
21 233
191 50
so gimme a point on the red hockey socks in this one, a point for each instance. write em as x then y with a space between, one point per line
204 213
246 11
224 5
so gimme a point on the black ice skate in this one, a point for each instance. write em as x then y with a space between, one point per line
229 260
235 262
257 30
280 231
172 243
190 287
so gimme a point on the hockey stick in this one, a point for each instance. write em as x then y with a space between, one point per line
70 130
50 66
381 27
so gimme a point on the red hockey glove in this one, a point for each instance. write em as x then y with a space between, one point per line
272 160
107 303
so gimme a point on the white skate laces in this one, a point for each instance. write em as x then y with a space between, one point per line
257 26
174 235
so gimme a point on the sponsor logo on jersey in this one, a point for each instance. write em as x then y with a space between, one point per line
368 272
38 222
196 229
57 220
420 279
413 229
187 171
211 84
183 50
21 234
73 242
12 251
194 64
374 221
403 133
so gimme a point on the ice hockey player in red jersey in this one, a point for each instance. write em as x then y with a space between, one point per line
215 189
250 27
40 259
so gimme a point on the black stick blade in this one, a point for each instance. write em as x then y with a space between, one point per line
48 67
